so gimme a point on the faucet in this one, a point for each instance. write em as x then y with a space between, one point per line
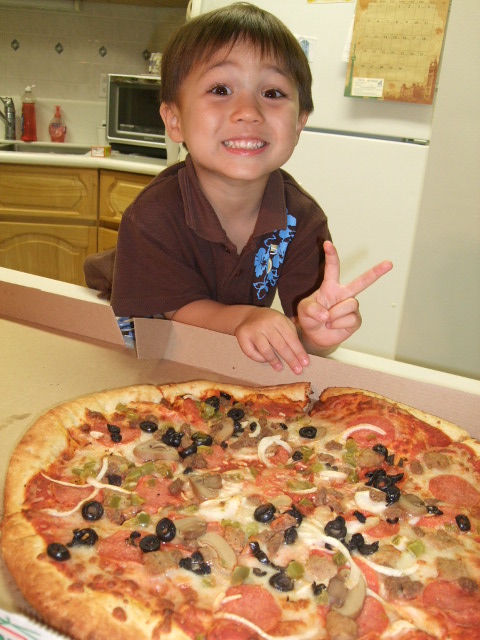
8 118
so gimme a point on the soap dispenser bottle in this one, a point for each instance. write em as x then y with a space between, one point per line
29 119
57 128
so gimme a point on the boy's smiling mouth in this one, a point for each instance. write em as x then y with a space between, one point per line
249 145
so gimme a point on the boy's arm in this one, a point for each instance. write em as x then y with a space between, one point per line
263 334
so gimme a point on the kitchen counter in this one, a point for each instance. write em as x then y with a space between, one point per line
116 161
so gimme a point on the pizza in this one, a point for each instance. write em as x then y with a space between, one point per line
208 511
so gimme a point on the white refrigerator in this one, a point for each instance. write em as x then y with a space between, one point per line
364 162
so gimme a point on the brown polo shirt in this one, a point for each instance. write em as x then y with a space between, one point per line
172 249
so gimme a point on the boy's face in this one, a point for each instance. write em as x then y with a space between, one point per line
238 114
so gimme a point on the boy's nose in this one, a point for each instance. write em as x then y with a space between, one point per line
247 109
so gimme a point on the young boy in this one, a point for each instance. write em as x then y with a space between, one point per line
210 240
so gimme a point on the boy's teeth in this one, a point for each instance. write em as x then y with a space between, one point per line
244 144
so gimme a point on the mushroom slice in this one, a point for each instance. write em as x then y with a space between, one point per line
154 449
206 486
227 558
412 504
354 600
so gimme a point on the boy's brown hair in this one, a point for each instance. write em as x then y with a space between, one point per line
199 38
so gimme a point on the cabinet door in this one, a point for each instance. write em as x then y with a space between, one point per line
33 192
51 250
107 239
117 190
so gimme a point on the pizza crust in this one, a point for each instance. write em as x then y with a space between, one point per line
91 614
294 392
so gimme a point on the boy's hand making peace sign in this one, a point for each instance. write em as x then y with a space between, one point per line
330 315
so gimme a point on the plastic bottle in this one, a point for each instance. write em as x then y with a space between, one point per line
57 128
29 119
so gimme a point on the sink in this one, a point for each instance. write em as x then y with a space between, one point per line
45 147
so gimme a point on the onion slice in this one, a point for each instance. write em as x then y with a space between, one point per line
266 443
360 427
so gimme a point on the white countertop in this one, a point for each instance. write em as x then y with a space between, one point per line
116 161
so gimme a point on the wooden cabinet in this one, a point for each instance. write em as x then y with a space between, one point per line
54 251
52 218
48 219
117 190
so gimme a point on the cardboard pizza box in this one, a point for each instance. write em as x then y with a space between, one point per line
59 342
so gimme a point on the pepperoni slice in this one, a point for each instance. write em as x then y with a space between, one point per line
462 607
254 603
383 529
120 548
454 490
156 494
372 618
367 437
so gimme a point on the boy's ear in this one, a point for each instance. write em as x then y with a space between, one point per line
302 121
170 116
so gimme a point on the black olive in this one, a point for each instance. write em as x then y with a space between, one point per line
114 479
188 470
356 541
381 449
360 517
58 552
112 428
195 564
281 582
252 426
148 426
290 535
225 395
390 460
297 455
282 426
264 513
172 438
237 428
92 510
188 451
392 493
202 439
393 520
114 431
213 401
85 536
166 529
258 554
318 588
132 537
295 513
236 413
259 572
336 528
149 543
368 549
463 523
434 510
308 432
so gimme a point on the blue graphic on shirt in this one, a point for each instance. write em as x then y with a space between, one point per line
270 257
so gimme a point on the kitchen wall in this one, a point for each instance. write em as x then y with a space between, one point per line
65 52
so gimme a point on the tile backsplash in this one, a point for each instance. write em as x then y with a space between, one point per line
65 54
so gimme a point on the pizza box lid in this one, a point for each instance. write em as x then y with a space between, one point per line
73 309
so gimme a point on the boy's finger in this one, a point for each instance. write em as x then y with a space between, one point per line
361 283
332 262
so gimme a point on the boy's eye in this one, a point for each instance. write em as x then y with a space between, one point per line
273 93
220 90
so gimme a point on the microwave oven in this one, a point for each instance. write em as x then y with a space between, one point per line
134 124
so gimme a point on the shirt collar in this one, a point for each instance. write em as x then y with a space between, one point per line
201 218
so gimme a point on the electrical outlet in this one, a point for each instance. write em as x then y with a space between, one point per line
102 88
